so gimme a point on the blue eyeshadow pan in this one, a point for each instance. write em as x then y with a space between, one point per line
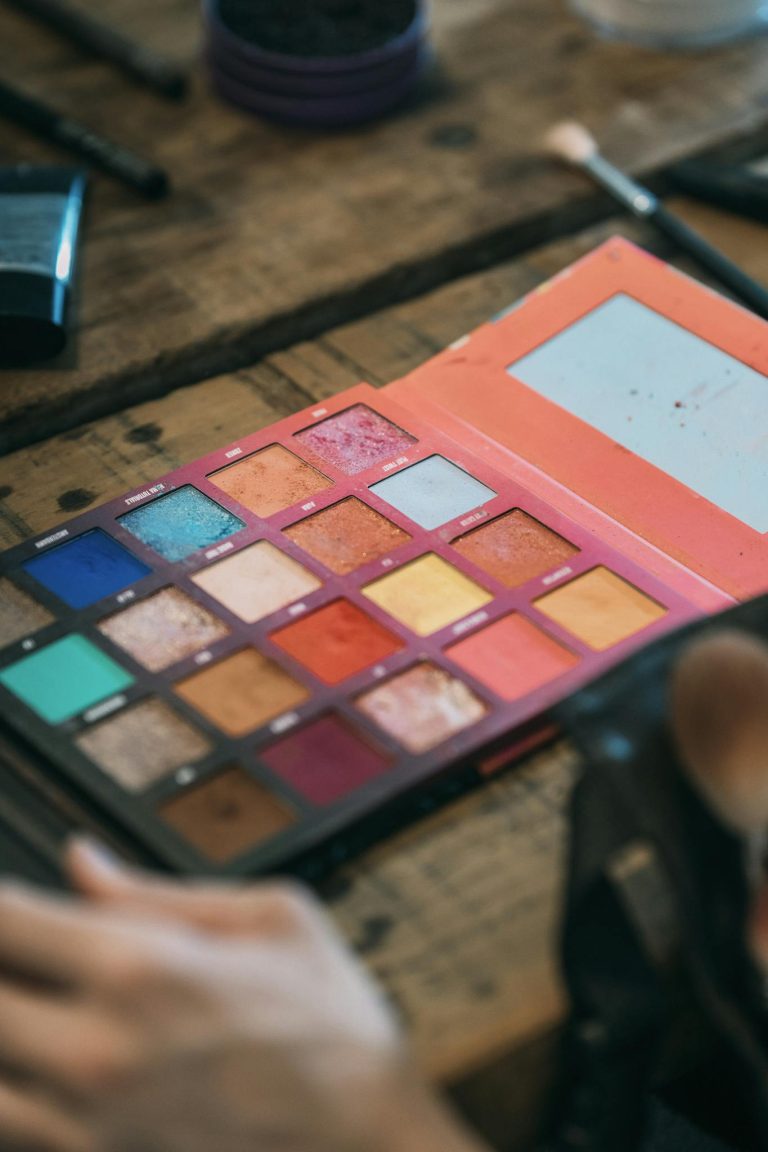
181 523
86 569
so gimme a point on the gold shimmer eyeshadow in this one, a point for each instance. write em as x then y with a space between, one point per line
143 744
242 692
422 707
428 594
600 608
163 629
270 480
20 615
347 535
257 581
226 815
515 548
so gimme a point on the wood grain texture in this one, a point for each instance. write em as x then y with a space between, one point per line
458 915
274 235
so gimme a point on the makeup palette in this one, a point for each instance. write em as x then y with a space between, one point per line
282 646
282 650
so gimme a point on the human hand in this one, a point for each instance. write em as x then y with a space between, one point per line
159 1017
720 722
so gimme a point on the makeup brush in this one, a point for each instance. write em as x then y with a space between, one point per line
572 142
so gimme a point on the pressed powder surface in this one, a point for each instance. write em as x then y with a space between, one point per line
86 569
347 535
515 548
242 692
65 678
226 815
270 480
513 657
337 641
257 581
422 707
180 523
163 629
433 492
601 608
428 594
20 615
356 439
142 744
324 761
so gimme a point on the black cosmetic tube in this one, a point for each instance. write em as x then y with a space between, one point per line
40 211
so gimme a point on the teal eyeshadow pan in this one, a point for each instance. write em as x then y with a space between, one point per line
180 523
65 678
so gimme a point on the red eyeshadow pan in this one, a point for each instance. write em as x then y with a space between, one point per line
324 761
513 657
337 641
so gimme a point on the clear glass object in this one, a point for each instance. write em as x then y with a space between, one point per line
675 23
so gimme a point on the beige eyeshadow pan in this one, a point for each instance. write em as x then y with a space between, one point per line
20 615
163 629
142 744
257 581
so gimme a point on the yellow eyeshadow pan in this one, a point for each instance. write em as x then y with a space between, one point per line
601 609
428 594
257 581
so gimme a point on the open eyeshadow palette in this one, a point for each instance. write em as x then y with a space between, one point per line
268 657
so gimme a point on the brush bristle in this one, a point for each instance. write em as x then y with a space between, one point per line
571 141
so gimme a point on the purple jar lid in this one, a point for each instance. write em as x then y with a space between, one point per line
319 91
320 111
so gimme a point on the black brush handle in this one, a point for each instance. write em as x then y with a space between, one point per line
754 295
727 186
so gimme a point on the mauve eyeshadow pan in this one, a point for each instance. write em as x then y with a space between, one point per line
356 439
422 707
324 761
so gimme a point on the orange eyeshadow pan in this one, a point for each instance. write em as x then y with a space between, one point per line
270 480
242 692
337 641
347 535
515 548
512 657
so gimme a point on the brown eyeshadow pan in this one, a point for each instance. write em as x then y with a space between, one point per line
242 692
227 814
270 480
163 629
142 744
515 548
20 615
347 535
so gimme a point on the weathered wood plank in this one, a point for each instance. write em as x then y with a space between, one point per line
275 235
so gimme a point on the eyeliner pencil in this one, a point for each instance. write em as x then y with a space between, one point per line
572 143
100 39
105 154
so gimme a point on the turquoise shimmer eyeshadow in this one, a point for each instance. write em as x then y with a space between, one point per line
65 678
181 523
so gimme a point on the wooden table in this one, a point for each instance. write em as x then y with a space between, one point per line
288 266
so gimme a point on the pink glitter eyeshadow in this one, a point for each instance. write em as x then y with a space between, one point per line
355 439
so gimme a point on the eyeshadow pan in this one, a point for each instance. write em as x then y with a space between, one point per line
513 657
422 707
600 608
428 594
86 569
257 581
356 439
347 535
433 492
20 615
515 548
337 641
180 523
163 629
270 480
242 692
142 744
65 678
226 815
325 761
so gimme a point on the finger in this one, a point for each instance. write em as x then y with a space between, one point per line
65 1045
30 1123
267 908
720 723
